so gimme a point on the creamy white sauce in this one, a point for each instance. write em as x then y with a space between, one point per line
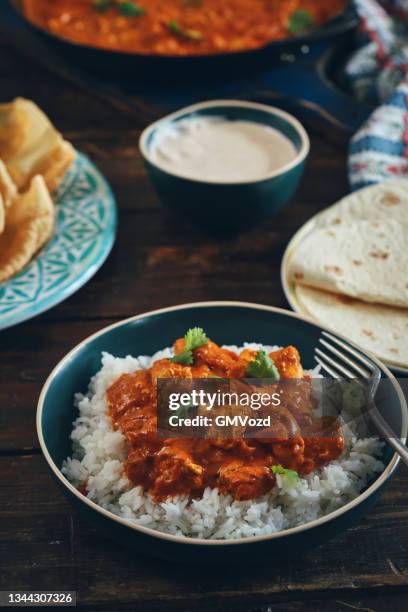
215 149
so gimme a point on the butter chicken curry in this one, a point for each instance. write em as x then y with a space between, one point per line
179 27
242 467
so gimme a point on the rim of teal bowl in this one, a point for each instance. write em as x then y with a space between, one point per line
376 484
271 110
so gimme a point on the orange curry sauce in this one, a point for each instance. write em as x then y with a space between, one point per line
179 27
240 467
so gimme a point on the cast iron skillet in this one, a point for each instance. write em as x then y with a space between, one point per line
170 67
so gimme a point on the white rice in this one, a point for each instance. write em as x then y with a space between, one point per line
99 452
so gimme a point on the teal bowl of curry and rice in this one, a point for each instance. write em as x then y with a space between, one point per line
226 165
208 499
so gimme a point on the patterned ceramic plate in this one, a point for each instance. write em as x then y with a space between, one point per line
83 237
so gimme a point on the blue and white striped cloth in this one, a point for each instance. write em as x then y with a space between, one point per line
378 73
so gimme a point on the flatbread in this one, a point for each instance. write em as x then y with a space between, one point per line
29 226
367 260
358 246
30 145
381 330
388 200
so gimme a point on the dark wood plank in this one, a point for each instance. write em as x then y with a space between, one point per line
62 101
28 354
53 546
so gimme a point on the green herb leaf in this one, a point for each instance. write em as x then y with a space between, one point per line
176 29
185 358
182 411
194 339
291 474
262 367
102 5
354 396
300 21
130 9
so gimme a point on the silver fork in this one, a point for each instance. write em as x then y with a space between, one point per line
342 361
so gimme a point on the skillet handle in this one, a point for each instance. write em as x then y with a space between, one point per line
303 86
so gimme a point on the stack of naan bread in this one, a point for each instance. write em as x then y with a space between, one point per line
351 271
33 160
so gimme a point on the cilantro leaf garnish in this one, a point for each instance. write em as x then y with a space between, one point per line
194 339
291 474
300 21
130 9
102 5
175 28
126 8
262 367
183 411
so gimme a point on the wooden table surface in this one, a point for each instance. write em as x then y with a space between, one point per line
159 261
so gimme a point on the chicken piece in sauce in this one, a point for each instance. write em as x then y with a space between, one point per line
239 467
245 481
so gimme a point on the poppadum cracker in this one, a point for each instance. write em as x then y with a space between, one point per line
30 145
14 127
55 172
8 189
29 226
8 192
2 215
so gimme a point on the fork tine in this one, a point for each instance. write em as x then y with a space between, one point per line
353 352
328 369
333 368
345 359
320 360
338 366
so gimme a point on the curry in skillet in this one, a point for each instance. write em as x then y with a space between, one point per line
243 467
179 27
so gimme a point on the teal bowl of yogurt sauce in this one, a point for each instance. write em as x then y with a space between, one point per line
225 164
